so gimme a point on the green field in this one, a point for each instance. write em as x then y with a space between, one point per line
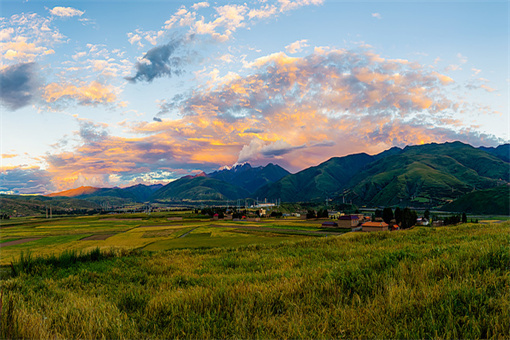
159 231
236 282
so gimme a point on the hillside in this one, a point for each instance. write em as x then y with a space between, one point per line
427 175
493 201
75 192
316 183
135 193
36 205
250 178
502 151
199 189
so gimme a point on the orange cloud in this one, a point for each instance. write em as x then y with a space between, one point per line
85 94
295 111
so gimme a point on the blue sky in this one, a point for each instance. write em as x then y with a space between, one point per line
115 93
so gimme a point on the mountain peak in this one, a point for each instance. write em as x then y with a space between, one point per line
201 174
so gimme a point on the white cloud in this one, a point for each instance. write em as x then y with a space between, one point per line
65 12
377 15
296 46
200 5
462 59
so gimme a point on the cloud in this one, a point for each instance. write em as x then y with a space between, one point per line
476 71
479 83
199 5
299 108
9 155
159 61
220 26
156 119
260 149
82 93
27 37
19 85
91 132
296 46
65 12
462 59
253 130
25 180
377 15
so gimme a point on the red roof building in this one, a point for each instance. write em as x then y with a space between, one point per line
374 226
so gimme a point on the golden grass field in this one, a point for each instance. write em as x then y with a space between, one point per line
234 282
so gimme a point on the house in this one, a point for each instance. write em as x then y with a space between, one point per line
329 224
348 221
333 214
374 226
422 221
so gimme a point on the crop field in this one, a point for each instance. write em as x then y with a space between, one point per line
161 231
234 282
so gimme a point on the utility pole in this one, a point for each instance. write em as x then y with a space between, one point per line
51 213
46 211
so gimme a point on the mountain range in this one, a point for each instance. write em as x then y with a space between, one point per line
430 175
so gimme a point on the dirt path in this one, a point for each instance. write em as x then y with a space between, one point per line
24 240
186 234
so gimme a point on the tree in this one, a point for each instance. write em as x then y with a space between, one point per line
426 214
408 218
464 217
387 215
310 214
322 213
398 215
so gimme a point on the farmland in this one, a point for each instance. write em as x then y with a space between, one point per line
158 231
272 279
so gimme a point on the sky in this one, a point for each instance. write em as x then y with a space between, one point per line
117 93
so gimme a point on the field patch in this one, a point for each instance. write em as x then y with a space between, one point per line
159 233
120 219
160 225
97 237
16 242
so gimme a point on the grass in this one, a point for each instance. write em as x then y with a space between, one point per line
448 282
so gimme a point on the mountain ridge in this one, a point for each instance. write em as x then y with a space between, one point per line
420 175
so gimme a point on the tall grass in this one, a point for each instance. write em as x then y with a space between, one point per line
449 282
29 264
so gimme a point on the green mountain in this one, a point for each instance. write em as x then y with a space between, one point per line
35 205
502 151
429 174
250 178
425 175
316 183
490 201
135 193
199 189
